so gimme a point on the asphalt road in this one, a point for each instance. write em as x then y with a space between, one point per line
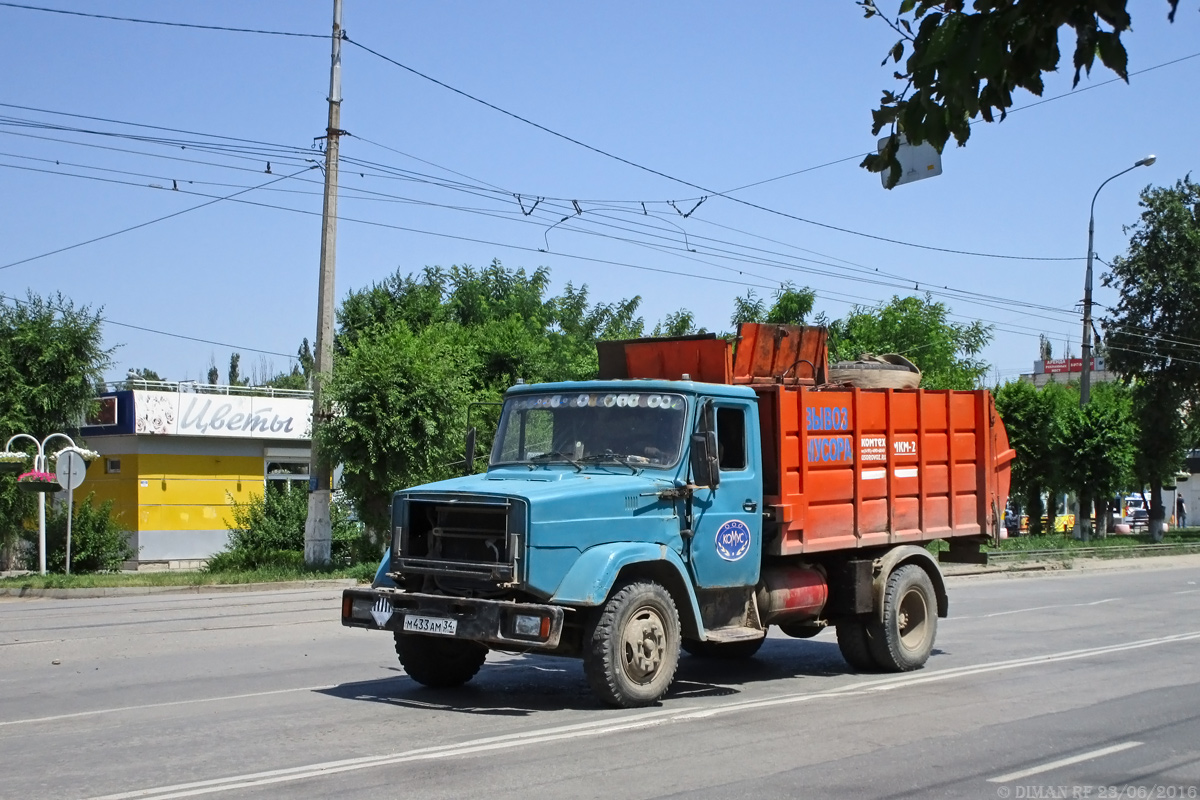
1072 685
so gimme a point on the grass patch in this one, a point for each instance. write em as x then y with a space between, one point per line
1066 543
363 573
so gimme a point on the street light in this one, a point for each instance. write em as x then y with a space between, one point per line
1085 377
39 464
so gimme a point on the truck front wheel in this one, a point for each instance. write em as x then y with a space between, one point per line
439 663
632 646
904 639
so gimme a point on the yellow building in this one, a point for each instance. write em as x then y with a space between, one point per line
175 458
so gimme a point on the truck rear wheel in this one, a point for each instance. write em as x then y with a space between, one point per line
439 663
852 639
631 648
904 639
746 648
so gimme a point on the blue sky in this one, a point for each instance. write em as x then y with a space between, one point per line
718 95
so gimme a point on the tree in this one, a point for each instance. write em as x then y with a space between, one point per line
1153 333
1034 421
791 306
413 352
145 374
235 376
966 65
1100 441
51 358
677 323
917 328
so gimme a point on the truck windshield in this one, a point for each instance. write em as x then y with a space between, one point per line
638 429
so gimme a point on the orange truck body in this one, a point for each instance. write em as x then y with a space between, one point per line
843 467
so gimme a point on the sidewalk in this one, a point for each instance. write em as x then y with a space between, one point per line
1024 569
212 588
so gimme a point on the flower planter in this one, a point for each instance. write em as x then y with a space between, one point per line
39 486
13 466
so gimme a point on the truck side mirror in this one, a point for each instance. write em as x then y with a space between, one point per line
705 471
469 464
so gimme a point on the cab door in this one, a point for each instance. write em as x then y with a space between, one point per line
726 545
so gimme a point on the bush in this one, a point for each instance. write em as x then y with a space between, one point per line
268 531
98 543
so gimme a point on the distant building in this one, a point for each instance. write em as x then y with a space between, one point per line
174 457
1066 370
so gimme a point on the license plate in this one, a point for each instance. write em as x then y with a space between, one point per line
439 625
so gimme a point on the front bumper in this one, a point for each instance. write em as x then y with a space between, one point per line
489 621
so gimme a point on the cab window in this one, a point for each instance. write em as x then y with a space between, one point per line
731 438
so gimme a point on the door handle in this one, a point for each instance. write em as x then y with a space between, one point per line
749 506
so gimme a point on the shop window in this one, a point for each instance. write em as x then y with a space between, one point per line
286 476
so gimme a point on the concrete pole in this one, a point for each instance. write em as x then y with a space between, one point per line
317 533
1084 515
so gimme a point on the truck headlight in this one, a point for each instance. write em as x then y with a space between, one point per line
531 626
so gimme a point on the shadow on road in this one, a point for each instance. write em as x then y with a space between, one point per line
527 684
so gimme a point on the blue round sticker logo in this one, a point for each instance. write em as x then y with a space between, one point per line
733 540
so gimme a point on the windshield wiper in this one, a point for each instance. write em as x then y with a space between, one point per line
556 456
609 455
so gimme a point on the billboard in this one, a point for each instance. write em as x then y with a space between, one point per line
1057 366
194 414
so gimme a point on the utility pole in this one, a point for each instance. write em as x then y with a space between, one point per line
317 533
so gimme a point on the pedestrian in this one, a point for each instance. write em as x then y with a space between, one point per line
1180 511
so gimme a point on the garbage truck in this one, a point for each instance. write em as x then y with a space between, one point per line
696 493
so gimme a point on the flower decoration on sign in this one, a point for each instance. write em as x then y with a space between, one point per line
155 414
37 481
84 453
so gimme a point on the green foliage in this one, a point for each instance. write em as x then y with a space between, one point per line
267 531
51 358
1151 334
98 542
1034 421
413 352
1100 441
917 328
678 323
964 65
791 306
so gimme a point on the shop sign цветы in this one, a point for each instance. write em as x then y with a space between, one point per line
222 415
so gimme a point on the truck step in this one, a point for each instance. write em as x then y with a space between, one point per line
733 633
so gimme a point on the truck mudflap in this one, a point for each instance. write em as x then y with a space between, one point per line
500 623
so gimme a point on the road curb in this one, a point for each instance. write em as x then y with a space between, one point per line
1068 565
126 591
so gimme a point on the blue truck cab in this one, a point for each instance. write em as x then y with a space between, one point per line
625 519
589 492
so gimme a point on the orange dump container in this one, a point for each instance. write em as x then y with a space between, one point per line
845 467
848 468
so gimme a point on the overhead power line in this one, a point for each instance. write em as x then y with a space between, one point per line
111 18
1011 111
706 191
152 221
238 347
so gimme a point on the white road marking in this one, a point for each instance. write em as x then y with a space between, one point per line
141 706
1040 608
628 723
1064 762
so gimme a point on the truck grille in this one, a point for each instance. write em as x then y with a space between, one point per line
479 540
